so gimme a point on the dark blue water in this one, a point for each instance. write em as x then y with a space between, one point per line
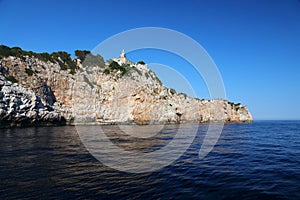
260 160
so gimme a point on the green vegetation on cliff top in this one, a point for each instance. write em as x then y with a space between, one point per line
67 63
61 57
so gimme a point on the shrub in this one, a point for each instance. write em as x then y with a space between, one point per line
172 91
183 94
18 52
237 104
141 62
73 71
12 79
29 71
230 103
62 58
114 66
155 91
124 68
106 71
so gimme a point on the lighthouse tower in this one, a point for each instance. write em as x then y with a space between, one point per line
122 59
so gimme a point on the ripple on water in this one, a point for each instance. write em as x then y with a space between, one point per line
257 160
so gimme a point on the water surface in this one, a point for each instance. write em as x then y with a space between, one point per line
258 160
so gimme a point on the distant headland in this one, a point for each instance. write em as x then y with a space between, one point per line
54 89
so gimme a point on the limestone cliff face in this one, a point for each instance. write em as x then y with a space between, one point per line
46 93
21 106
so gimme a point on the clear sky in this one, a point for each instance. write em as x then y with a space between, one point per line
254 43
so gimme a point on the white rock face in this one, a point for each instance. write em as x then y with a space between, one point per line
90 95
20 106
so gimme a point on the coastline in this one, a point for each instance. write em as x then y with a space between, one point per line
8 125
44 90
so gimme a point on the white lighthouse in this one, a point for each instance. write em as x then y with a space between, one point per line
122 59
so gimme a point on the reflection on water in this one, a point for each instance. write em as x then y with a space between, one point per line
258 160
119 150
140 144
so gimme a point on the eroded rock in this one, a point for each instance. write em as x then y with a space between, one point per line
52 95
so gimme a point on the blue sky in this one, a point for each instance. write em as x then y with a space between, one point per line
254 43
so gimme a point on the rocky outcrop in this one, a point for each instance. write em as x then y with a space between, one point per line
44 93
21 106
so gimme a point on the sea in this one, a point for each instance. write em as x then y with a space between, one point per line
258 160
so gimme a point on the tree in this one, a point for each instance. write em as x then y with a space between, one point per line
16 51
64 60
64 56
81 54
4 51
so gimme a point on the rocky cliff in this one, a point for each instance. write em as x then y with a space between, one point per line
36 91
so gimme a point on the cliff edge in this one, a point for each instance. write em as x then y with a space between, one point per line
45 89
